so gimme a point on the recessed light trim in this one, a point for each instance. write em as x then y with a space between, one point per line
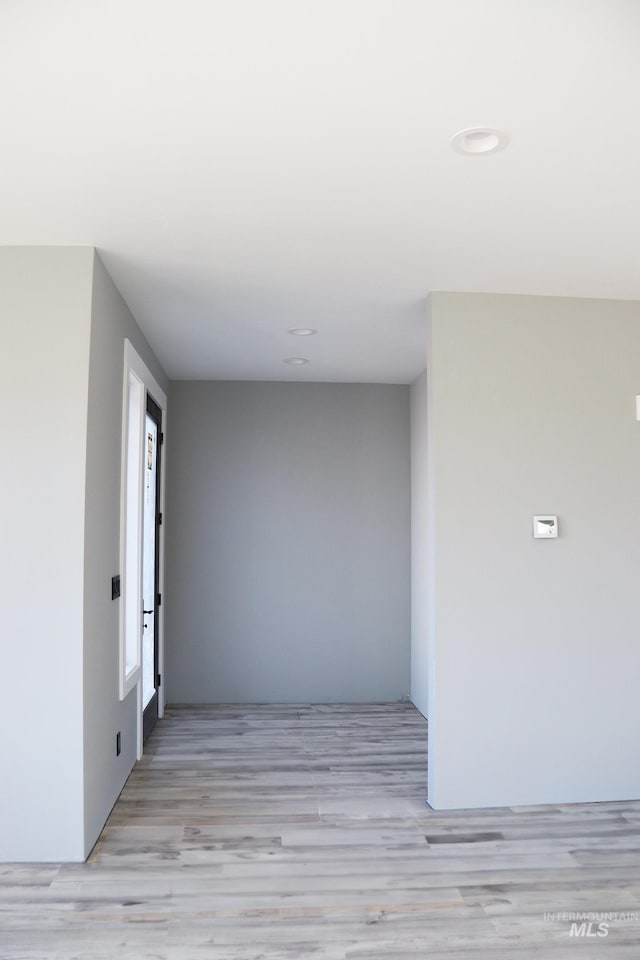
302 331
295 361
479 140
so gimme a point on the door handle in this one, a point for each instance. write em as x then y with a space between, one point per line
148 611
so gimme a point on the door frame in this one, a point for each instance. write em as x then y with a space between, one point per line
136 368
151 712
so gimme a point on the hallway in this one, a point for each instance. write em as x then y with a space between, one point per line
273 832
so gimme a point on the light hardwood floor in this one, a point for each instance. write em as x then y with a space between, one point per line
286 833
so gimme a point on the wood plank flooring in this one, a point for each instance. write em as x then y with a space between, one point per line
294 832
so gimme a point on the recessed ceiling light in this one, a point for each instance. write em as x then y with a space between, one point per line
302 331
478 140
296 361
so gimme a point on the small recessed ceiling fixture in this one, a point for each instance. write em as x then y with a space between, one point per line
478 140
296 361
302 331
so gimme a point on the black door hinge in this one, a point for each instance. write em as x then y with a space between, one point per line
159 519
159 681
159 599
161 438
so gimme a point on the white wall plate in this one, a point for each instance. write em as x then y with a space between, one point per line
545 528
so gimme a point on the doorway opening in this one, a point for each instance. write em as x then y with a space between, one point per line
142 547
151 597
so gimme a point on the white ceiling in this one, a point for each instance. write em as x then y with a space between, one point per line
251 165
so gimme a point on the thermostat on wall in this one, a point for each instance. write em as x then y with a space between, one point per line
545 527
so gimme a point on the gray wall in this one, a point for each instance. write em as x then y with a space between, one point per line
419 545
45 303
104 713
288 542
533 645
61 370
